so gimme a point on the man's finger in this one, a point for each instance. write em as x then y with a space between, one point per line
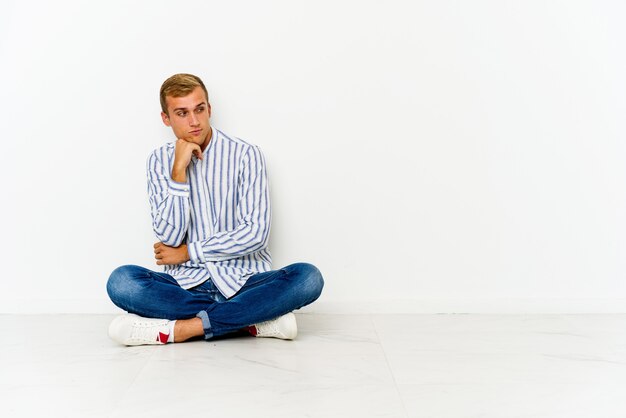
158 244
197 153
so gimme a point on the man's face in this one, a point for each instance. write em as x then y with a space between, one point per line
189 116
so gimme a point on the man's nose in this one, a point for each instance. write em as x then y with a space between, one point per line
193 120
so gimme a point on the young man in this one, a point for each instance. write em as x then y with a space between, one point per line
210 209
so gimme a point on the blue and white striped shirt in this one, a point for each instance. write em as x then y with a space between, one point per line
222 213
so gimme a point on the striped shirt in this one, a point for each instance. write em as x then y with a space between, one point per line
222 213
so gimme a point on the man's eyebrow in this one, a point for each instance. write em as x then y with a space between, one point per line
184 108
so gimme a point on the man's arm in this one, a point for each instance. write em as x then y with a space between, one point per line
168 193
253 217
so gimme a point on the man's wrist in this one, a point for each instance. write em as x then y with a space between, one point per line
179 175
184 253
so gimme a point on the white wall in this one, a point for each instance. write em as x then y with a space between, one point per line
431 156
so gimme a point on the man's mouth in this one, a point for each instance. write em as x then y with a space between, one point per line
196 132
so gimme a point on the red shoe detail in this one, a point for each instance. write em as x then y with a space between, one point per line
163 337
252 330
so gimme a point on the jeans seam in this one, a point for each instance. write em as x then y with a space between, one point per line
269 276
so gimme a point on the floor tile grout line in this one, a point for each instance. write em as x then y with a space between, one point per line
393 376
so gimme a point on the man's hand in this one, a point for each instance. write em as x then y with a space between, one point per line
165 254
182 157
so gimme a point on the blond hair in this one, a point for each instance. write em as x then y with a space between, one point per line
180 85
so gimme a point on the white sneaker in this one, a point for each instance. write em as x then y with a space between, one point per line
284 327
131 329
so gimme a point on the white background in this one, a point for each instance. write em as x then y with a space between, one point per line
429 156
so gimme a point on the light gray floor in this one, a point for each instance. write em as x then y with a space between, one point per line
434 366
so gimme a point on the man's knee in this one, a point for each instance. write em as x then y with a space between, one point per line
311 280
121 284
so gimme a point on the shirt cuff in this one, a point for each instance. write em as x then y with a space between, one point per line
195 252
178 189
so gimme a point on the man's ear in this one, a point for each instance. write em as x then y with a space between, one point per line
208 105
166 119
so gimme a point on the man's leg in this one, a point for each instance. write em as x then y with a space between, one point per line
150 294
264 297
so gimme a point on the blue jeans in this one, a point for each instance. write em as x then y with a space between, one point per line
265 296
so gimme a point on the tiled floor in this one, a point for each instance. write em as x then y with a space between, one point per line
434 366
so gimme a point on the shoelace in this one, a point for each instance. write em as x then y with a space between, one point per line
145 331
268 328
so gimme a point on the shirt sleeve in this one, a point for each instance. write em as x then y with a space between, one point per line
169 203
253 216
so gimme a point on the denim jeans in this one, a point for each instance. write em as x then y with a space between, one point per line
265 296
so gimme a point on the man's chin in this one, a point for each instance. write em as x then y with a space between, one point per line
195 139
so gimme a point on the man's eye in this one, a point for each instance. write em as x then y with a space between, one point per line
200 110
181 114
